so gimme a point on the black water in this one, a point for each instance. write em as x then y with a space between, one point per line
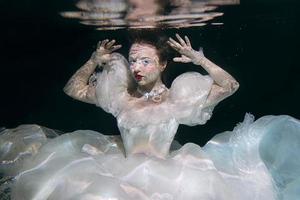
258 45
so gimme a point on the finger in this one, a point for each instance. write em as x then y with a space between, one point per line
172 45
103 43
99 44
180 59
175 43
113 48
110 44
201 51
187 40
182 42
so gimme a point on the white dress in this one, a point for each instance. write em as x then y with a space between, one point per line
256 161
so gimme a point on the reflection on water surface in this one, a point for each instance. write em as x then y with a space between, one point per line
119 14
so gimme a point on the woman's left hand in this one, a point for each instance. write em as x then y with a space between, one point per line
184 47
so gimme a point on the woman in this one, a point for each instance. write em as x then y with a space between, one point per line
248 163
116 94
152 65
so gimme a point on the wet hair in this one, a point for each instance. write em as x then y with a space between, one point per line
155 38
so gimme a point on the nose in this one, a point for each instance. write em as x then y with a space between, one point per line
136 66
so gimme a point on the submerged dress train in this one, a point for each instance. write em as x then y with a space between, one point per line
258 160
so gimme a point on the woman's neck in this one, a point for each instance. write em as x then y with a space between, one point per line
149 87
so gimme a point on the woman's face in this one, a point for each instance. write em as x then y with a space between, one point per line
144 63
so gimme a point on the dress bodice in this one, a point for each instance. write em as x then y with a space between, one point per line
148 127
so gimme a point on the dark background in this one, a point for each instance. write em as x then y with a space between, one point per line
40 50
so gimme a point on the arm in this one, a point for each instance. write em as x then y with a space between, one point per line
78 87
224 84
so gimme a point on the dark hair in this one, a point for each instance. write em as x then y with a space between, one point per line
155 38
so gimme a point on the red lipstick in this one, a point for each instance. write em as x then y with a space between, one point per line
137 76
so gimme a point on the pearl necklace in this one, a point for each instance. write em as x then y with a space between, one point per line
155 94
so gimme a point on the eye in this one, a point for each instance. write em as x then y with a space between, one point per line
145 61
131 62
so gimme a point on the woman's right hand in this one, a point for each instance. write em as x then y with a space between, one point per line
104 50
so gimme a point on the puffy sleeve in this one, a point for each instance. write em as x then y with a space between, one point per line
112 85
188 95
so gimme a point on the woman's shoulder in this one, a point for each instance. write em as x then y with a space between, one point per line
190 84
189 77
117 59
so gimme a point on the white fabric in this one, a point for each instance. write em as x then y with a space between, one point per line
256 161
188 95
145 126
112 85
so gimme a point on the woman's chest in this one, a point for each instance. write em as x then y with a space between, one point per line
147 129
141 113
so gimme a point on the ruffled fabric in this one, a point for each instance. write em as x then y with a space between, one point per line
113 84
188 95
185 104
149 128
186 101
272 144
258 160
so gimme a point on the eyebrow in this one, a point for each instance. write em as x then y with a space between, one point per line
130 57
145 57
